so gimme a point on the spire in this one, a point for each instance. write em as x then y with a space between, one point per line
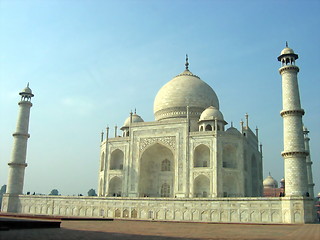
286 43
247 120
187 63
102 135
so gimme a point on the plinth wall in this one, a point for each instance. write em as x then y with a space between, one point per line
293 210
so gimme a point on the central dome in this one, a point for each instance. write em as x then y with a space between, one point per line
184 90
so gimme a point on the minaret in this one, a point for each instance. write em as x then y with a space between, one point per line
18 164
294 153
308 162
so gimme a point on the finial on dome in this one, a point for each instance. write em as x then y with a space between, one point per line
231 124
187 63
286 43
28 85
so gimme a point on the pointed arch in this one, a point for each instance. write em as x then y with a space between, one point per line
201 156
229 156
115 187
151 177
102 161
116 161
201 186
101 187
230 186
254 176
208 127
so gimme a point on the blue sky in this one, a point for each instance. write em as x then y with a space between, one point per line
89 63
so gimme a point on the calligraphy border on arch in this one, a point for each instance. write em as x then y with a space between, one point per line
168 141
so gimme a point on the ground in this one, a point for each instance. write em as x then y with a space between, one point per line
142 230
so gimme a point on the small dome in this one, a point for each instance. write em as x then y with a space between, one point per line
26 91
211 113
184 90
270 182
135 118
233 130
287 50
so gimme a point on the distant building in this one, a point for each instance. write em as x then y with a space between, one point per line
318 206
271 189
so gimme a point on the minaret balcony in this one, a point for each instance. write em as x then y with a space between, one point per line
295 112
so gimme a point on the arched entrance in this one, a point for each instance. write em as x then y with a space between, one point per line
201 186
116 162
115 187
156 177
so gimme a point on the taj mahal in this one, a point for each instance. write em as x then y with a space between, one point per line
186 165
185 153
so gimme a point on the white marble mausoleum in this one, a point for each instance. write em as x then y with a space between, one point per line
186 165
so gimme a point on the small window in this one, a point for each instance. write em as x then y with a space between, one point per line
165 165
208 127
165 190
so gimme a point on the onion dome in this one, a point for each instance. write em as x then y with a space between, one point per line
26 91
135 118
184 90
211 113
233 131
287 52
26 94
270 182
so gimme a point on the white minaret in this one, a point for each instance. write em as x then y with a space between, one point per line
18 164
308 162
294 152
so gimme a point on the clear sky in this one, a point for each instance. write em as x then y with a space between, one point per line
89 63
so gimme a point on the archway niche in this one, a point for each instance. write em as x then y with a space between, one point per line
254 177
101 188
201 186
229 156
102 162
156 169
115 187
230 186
208 127
116 162
201 156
